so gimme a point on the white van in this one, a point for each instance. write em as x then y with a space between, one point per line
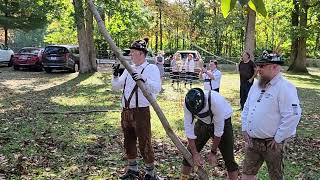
6 55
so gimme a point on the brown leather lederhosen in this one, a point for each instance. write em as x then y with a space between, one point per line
135 123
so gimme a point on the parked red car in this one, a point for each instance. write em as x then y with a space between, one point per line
28 57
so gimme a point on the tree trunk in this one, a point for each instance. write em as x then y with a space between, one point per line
6 36
160 19
85 65
298 47
170 40
5 28
242 36
177 38
250 32
294 38
183 42
156 45
90 40
267 38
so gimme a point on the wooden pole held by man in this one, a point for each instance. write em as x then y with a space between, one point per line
201 172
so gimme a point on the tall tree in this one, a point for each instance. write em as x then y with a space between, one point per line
300 33
250 31
85 37
253 6
27 14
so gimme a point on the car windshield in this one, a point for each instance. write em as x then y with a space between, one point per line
55 50
29 51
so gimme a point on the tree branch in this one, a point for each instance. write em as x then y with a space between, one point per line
79 112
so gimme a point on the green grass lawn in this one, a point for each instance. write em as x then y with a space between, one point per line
34 145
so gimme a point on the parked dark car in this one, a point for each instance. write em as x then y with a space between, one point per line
61 57
28 57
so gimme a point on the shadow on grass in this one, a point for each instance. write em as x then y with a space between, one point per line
34 143
305 78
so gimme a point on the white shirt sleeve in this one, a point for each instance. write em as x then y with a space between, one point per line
118 82
217 103
217 75
188 124
245 110
290 112
153 79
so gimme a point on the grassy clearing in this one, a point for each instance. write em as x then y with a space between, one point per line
37 146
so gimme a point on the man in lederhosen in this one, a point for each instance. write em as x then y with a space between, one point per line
135 116
270 118
207 115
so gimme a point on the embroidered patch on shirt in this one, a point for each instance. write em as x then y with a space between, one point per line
295 109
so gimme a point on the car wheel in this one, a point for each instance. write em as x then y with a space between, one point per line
39 68
15 67
48 70
75 68
10 62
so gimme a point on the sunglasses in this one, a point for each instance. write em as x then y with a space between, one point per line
262 65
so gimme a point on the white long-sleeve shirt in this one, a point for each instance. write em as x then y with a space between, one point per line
274 113
215 83
152 83
189 65
220 108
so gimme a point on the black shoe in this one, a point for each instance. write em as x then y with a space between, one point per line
130 175
149 177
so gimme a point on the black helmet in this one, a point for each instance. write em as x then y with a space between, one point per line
269 57
195 100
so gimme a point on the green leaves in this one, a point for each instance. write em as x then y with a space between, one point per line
256 5
227 6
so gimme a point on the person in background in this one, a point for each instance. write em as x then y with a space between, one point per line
248 71
211 77
176 68
270 116
189 69
159 61
135 115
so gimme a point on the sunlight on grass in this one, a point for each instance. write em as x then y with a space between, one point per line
69 141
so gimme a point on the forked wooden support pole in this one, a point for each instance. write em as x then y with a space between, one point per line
201 172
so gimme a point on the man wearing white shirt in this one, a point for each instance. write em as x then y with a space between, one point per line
213 114
135 116
270 116
211 77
